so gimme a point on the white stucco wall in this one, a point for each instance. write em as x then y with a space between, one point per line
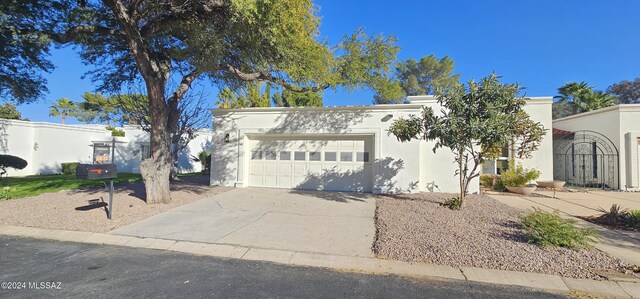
399 167
621 124
46 145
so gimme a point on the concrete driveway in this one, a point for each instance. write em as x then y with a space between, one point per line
308 221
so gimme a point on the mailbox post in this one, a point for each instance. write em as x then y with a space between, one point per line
99 172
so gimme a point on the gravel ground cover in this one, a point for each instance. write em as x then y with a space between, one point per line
485 234
66 209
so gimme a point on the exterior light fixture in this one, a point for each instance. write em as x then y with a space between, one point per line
387 117
226 138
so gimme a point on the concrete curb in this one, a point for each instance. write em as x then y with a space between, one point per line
554 283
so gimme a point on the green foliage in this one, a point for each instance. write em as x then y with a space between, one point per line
549 229
474 122
517 176
9 161
10 111
580 97
498 185
631 219
5 193
97 108
204 157
290 98
627 92
486 180
24 48
454 203
613 216
115 132
63 107
420 78
69 167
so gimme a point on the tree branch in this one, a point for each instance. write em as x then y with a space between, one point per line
268 77
184 86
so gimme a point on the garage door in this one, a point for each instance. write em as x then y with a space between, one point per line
334 164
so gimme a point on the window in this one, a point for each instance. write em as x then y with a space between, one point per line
329 156
502 162
285 156
362 156
346 156
270 155
256 155
145 151
299 156
314 156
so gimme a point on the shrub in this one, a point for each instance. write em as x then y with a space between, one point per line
549 229
498 185
9 161
518 176
486 180
5 193
631 219
115 132
613 216
69 167
454 203
204 158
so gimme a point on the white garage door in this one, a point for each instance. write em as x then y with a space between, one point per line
335 164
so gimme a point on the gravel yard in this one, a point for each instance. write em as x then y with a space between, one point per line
485 234
58 210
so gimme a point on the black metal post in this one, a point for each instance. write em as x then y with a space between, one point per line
110 198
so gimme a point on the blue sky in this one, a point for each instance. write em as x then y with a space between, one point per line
539 44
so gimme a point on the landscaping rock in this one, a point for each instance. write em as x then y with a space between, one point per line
485 234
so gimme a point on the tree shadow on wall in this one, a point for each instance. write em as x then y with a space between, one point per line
301 122
355 182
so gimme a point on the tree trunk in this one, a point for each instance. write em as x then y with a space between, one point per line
157 169
461 177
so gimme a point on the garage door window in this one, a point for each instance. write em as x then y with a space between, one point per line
314 156
346 156
362 156
256 155
270 155
299 156
329 156
285 156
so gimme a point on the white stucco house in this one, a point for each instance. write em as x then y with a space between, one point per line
599 148
46 145
342 149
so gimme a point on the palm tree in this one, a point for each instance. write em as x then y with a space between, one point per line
63 108
581 97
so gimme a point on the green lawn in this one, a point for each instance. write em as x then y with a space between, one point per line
37 184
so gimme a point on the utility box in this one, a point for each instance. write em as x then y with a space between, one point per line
96 171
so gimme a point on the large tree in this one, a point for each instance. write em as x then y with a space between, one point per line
627 92
63 107
474 123
10 111
579 97
225 41
421 77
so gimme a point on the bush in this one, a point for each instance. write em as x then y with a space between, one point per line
486 180
69 167
204 158
115 132
498 185
613 216
631 219
549 229
518 176
9 161
454 203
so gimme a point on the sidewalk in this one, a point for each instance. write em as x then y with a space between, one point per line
624 245
623 288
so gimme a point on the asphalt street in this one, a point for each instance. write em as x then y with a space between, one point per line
43 268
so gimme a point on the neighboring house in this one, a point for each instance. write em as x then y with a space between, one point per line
599 148
46 145
342 149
